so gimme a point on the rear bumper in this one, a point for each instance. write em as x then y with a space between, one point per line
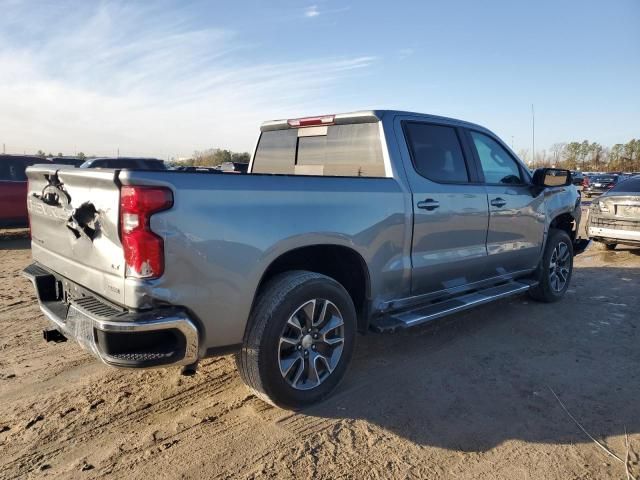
614 234
121 338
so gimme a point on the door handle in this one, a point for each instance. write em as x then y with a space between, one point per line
429 204
498 202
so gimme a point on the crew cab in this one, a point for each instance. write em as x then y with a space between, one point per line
374 220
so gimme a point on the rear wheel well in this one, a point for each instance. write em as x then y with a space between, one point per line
343 264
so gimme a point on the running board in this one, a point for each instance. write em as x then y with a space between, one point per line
420 315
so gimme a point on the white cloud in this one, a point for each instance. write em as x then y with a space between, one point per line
312 11
95 81
405 52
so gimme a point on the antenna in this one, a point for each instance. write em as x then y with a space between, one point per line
533 134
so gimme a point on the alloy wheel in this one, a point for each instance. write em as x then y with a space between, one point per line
311 344
559 266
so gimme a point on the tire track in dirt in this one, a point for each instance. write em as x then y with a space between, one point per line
180 400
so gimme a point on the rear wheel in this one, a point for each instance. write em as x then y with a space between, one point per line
299 340
555 269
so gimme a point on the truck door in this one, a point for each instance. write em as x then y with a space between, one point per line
516 211
450 209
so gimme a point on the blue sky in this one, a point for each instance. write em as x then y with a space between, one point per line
165 78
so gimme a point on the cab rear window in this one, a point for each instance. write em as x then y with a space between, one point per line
351 150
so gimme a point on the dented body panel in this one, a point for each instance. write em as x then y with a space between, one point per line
79 242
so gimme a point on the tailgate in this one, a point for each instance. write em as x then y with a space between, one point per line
74 217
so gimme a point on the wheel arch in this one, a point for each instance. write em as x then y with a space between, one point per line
341 263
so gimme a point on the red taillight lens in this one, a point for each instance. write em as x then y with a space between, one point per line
143 249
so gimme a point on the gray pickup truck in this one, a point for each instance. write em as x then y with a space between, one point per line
373 220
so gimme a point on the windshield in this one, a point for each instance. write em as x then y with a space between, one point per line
351 150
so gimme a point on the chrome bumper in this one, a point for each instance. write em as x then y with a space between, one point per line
108 336
614 234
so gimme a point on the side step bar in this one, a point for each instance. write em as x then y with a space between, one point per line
420 315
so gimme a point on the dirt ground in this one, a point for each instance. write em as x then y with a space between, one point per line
467 397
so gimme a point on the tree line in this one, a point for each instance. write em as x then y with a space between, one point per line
204 158
589 156
214 156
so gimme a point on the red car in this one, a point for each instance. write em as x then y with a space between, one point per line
13 189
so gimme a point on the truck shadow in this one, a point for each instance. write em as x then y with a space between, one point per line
480 378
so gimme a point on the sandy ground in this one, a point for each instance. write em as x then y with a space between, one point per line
466 397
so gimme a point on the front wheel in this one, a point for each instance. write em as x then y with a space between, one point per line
555 269
299 340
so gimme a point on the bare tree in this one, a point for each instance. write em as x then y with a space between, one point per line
523 153
557 150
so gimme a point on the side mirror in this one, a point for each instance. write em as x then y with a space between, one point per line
551 177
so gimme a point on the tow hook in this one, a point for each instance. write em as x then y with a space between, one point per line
53 336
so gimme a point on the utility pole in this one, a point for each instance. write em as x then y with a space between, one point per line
3 149
533 134
118 153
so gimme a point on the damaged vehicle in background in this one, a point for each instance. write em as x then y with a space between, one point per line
373 220
614 218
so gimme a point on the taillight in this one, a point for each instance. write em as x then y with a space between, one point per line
312 121
28 212
143 249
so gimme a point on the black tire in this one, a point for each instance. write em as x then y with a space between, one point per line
547 291
610 246
258 361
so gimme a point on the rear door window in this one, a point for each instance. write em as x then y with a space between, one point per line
436 152
351 150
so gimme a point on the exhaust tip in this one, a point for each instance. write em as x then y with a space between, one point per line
53 336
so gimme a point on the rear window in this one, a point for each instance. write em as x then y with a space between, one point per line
152 164
351 150
631 185
13 170
604 179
